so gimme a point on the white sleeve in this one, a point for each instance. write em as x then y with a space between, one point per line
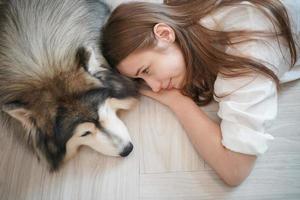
246 104
250 102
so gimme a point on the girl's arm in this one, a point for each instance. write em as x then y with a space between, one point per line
206 136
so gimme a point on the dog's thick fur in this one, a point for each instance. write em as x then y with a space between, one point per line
53 79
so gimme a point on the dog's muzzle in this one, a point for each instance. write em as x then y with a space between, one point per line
127 150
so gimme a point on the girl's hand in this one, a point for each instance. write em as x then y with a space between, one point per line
166 97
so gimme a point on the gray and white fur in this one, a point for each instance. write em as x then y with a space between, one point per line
54 81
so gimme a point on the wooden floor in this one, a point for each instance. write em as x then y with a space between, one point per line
162 166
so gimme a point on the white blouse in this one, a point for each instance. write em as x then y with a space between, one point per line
247 104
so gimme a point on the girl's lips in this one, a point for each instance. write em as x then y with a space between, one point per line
170 86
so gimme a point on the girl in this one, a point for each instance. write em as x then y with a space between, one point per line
189 52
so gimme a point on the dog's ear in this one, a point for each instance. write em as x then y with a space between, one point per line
90 60
123 104
120 87
18 111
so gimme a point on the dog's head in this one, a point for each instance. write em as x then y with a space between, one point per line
74 108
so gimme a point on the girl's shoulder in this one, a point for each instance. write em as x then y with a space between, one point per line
248 16
242 16
293 9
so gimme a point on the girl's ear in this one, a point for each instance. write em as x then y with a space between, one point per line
163 32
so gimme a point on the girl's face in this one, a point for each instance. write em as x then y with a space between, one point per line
162 67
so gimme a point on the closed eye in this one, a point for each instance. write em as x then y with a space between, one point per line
146 70
86 133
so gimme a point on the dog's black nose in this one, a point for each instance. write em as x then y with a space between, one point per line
127 150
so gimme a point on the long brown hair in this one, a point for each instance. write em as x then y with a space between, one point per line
130 28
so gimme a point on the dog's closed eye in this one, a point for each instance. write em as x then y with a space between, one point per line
86 133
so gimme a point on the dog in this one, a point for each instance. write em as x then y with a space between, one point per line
55 83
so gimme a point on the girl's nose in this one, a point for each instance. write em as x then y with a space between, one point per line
154 84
